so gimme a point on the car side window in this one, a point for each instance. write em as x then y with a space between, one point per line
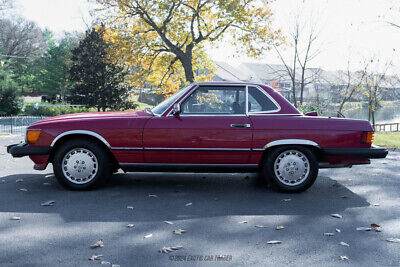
259 102
215 100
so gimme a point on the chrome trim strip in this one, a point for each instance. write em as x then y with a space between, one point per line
291 142
127 148
279 114
180 149
194 149
85 132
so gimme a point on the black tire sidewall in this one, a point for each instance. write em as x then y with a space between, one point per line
104 163
269 173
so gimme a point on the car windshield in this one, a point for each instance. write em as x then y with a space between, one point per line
163 106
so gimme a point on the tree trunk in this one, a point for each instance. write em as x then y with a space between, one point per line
294 92
186 60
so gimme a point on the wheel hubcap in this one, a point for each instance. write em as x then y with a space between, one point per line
80 166
292 167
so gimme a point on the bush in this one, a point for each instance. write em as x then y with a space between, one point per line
10 102
49 111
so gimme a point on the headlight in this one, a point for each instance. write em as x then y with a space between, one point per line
32 136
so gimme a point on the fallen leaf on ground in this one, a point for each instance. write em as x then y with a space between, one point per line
363 228
215 199
273 242
15 218
376 204
46 183
115 265
344 244
95 257
169 249
179 231
98 244
19 180
344 258
23 189
189 204
286 199
338 230
393 240
153 196
335 215
260 226
130 225
375 225
148 236
329 234
105 263
129 207
279 227
48 203
243 222
168 222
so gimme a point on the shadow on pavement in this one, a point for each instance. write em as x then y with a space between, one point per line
211 195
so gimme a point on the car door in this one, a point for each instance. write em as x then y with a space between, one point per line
212 128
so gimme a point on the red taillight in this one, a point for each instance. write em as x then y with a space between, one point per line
367 137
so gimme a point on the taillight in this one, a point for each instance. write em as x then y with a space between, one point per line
367 137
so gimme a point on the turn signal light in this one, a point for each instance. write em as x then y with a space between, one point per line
367 137
32 136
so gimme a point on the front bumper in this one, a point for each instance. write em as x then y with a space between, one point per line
369 153
23 149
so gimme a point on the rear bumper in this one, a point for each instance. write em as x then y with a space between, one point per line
369 153
22 149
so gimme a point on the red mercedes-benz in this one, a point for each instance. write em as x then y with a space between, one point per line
209 127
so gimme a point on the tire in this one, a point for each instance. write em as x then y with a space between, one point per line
81 164
290 169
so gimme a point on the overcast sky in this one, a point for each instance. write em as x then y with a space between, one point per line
348 28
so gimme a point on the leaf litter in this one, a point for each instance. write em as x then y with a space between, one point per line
179 231
335 215
169 249
98 244
274 242
48 203
95 257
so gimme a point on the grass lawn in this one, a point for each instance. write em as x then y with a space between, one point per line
388 139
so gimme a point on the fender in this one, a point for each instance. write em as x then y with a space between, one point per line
84 132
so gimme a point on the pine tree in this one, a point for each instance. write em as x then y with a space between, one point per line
97 82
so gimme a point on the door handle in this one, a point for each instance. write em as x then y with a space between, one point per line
240 125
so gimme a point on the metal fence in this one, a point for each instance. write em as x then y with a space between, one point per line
17 124
387 127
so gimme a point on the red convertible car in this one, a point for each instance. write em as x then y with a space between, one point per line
206 127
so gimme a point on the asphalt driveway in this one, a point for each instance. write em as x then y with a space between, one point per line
212 208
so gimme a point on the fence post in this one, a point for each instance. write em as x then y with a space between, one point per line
11 124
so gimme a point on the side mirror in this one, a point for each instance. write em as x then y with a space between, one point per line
176 110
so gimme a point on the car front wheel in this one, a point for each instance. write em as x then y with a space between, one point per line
81 164
291 169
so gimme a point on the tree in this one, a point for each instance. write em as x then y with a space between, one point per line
302 39
349 83
97 81
10 102
51 71
5 5
20 39
376 82
163 40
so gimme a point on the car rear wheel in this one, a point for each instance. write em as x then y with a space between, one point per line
291 169
81 164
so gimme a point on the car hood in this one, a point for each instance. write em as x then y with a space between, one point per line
92 115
